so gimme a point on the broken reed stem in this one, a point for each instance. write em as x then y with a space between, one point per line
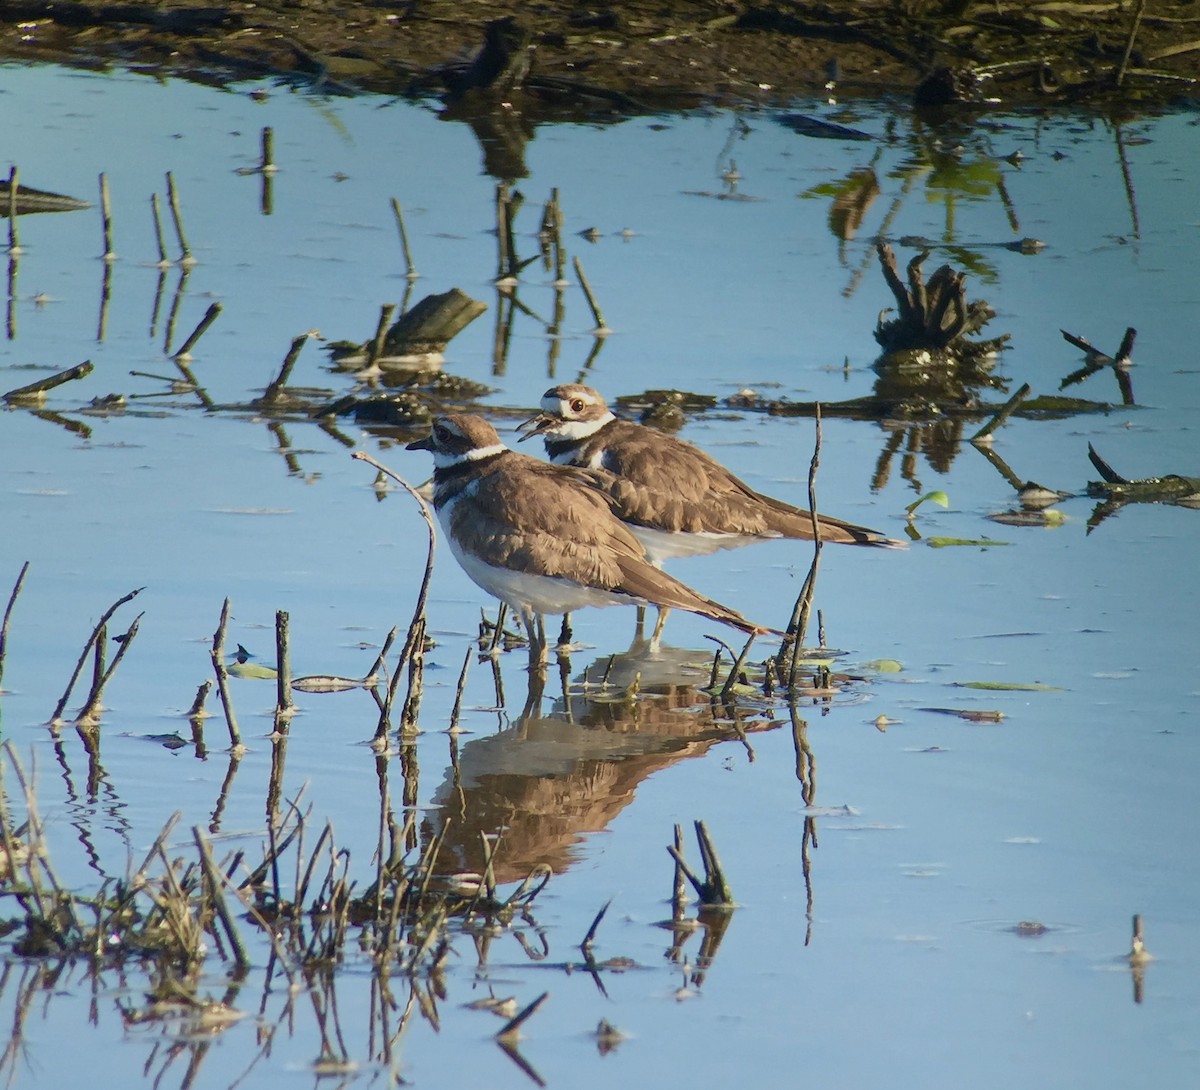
56 717
163 260
36 389
284 706
91 710
1133 33
418 618
385 319
501 263
7 835
99 653
458 693
498 631
197 710
416 675
586 945
591 299
676 853
381 857
736 669
267 163
410 270
106 219
14 246
679 884
509 1029
512 205
12 599
273 392
216 895
210 316
1126 349
984 434
185 255
799 622
218 661
36 836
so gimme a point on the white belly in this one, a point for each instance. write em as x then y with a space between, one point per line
660 545
526 593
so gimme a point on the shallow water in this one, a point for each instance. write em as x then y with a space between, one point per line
895 957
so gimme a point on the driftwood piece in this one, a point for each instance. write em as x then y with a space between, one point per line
932 314
36 390
1115 491
432 324
37 200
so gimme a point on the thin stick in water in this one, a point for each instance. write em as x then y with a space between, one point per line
984 434
12 600
458 695
106 220
601 327
284 706
273 392
14 246
216 895
90 714
163 261
210 316
56 717
218 661
185 256
410 269
385 319
418 618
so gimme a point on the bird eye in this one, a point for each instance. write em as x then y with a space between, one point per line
577 404
441 433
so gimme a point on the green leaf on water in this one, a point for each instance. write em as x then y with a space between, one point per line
942 542
1009 686
252 670
937 496
884 666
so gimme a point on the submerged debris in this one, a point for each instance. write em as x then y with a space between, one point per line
935 315
1115 491
421 333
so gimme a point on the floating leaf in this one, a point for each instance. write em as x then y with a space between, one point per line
1009 686
943 542
253 670
321 683
970 715
937 496
884 666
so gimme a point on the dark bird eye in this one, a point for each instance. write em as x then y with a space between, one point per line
576 404
441 433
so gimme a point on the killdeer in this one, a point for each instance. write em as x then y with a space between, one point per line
542 538
673 497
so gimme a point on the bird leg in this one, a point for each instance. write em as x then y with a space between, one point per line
656 636
535 631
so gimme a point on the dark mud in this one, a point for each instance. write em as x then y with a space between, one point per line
642 57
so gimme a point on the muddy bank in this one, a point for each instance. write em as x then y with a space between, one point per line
642 56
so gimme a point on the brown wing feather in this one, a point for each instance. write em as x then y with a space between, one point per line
544 519
666 484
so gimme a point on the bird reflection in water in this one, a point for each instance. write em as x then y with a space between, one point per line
546 782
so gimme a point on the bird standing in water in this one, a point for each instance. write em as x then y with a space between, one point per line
677 500
543 538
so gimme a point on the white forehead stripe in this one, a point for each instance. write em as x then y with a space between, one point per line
444 458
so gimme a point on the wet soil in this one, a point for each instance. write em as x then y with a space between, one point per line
642 56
